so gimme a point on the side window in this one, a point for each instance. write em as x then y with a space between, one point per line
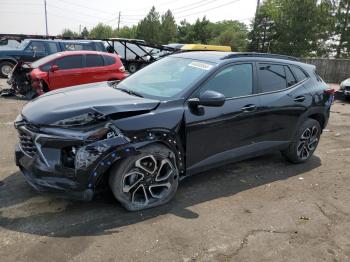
299 74
36 47
233 81
87 47
109 60
52 48
271 77
94 60
70 62
100 46
290 78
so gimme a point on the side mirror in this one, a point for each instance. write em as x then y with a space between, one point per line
54 68
208 98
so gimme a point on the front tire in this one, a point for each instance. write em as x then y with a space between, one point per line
6 68
145 180
304 142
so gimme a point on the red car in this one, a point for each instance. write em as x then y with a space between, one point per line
75 68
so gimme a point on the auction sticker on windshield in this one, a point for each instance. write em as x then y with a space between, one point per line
201 65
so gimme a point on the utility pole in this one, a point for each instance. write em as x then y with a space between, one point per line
47 31
118 21
254 27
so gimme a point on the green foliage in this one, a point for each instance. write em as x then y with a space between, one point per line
69 33
149 27
342 28
168 28
85 32
126 32
301 27
101 31
230 33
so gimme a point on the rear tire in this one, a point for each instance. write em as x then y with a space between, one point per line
6 68
132 68
145 180
304 142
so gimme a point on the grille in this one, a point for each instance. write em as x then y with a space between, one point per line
27 143
347 88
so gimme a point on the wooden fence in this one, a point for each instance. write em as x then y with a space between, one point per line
331 70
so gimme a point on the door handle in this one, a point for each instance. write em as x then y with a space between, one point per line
249 108
299 99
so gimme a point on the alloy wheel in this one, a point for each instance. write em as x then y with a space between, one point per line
308 142
149 180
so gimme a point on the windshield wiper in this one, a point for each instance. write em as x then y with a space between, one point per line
130 92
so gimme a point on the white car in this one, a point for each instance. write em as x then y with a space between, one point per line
345 87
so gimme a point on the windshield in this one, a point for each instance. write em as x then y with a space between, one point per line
23 44
44 60
166 78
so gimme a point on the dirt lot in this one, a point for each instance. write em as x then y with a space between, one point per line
263 209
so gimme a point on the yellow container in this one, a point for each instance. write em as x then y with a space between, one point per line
200 47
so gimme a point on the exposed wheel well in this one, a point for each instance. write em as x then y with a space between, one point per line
319 118
45 86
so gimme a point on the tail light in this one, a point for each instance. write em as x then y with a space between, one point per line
122 69
329 91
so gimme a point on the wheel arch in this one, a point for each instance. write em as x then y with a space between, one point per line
8 59
138 141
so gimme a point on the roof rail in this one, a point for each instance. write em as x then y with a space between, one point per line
253 54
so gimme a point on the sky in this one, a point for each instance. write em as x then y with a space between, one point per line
28 16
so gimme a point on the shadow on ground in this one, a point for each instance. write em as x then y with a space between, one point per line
105 216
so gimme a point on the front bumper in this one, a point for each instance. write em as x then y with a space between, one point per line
39 157
44 180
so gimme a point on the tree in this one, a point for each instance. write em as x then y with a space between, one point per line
185 33
230 33
126 32
101 31
263 27
85 32
342 28
149 27
68 33
202 31
168 28
292 27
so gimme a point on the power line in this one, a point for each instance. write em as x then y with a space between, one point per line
67 9
86 7
209 9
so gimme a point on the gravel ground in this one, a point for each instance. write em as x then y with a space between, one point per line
263 209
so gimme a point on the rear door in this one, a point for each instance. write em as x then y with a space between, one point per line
282 98
218 134
68 73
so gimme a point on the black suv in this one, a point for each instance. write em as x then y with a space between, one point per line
181 115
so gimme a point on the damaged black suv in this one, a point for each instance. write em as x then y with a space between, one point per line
181 115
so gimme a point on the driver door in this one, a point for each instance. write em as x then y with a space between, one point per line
216 135
34 51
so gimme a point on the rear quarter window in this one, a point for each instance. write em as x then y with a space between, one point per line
109 60
94 61
298 73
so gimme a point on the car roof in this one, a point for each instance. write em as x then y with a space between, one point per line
224 57
83 52
82 41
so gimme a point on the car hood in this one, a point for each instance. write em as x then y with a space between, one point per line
79 100
346 82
